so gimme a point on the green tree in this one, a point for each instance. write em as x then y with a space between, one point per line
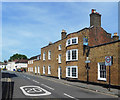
17 57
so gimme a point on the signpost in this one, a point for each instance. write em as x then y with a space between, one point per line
108 62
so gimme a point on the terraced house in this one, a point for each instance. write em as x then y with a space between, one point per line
66 57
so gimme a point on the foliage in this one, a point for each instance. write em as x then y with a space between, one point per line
17 57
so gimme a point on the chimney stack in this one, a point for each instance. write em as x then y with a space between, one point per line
95 18
115 37
63 34
115 34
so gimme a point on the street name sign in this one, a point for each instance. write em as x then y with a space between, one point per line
108 60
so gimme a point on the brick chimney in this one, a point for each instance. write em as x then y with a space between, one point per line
115 37
63 34
95 19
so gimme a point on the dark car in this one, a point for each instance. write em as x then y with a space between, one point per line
19 70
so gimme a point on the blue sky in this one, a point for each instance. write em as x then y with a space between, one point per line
27 27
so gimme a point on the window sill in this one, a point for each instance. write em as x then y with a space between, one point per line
102 80
71 60
70 77
71 44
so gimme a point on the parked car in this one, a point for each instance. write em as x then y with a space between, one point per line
19 70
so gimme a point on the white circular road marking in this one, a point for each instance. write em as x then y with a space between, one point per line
34 91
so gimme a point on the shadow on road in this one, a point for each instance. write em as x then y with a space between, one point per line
8 75
7 86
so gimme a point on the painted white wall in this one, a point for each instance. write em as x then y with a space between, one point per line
2 66
10 66
21 65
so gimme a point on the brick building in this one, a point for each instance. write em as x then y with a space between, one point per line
66 57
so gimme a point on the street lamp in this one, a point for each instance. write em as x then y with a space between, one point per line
87 49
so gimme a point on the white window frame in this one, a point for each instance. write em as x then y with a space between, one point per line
99 78
71 71
71 55
35 69
59 58
39 69
71 41
49 55
43 69
49 69
59 47
44 56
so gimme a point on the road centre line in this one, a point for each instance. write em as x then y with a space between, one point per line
70 96
47 86
36 81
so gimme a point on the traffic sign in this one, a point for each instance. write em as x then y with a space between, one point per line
108 60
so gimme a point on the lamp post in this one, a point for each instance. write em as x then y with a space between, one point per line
86 47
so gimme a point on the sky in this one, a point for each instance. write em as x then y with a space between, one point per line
29 26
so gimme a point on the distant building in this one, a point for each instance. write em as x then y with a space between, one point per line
31 63
67 57
17 64
2 65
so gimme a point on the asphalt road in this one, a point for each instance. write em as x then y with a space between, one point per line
21 85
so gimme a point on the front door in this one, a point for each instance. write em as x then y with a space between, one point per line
59 73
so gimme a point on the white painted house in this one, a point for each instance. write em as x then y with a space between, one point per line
2 65
11 66
19 64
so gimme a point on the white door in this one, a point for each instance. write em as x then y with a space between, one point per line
35 69
38 69
59 72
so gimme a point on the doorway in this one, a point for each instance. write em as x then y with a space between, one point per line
59 72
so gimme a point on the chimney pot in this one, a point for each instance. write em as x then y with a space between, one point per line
63 34
115 34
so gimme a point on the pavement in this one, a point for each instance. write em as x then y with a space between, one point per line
96 88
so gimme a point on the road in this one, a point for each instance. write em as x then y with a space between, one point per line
22 85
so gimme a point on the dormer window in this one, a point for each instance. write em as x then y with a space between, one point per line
72 41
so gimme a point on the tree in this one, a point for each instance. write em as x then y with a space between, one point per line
17 57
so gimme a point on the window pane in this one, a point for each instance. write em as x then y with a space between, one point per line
59 47
73 72
73 54
68 41
74 40
102 71
68 55
68 71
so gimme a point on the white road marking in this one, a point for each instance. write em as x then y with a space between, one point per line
70 96
35 81
28 78
47 86
38 91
